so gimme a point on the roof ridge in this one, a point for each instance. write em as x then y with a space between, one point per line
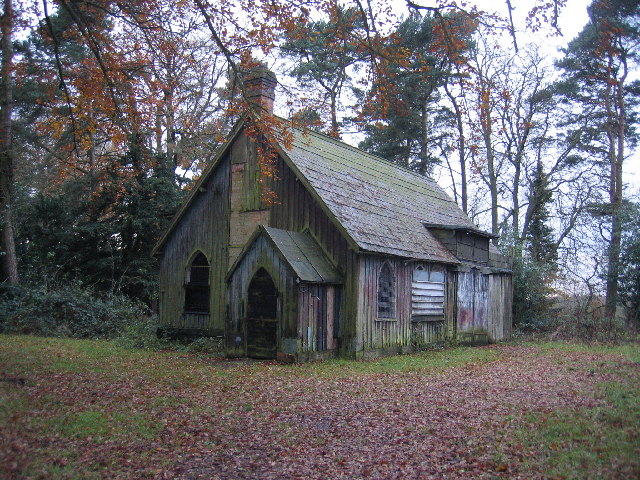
385 161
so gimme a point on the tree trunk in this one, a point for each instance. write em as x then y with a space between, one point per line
461 151
8 257
335 128
491 180
425 168
616 126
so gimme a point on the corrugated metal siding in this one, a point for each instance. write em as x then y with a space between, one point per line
472 306
204 227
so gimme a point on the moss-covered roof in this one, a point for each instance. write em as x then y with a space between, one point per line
384 208
300 251
379 206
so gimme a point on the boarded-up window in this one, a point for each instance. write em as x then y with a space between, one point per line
196 295
427 293
386 293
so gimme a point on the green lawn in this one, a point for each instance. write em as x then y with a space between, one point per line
91 409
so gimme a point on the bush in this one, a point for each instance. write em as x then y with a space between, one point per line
143 334
66 311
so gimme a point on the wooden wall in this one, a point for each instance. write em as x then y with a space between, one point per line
319 318
204 227
500 306
308 314
261 255
227 211
296 209
383 335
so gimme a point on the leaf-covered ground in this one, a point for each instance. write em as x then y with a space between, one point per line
88 409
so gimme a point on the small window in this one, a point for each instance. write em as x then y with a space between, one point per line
428 293
386 293
196 295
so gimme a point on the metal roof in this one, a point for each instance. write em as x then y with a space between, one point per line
381 206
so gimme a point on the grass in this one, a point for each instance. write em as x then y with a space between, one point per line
431 361
91 408
588 443
599 442
629 351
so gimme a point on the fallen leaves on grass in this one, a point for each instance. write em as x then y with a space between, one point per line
188 417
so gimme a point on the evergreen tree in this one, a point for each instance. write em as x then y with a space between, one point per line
630 266
323 52
535 259
602 110
102 240
539 237
404 128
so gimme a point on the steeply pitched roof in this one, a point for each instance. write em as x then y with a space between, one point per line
300 251
382 207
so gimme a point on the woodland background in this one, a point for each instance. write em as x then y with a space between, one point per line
110 110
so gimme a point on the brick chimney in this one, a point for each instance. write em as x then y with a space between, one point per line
260 84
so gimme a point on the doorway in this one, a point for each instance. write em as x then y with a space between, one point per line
262 316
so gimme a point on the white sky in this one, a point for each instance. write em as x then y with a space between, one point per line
571 20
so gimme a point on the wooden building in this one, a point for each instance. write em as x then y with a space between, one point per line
358 258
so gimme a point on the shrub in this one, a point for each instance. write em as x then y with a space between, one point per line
66 311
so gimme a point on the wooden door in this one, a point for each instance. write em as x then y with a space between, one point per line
262 316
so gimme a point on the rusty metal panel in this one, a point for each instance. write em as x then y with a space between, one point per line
473 307
480 302
465 297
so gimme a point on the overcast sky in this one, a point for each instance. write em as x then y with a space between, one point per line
572 19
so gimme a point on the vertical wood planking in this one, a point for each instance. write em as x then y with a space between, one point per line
204 226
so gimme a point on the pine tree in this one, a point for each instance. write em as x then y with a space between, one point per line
539 238
602 112
402 124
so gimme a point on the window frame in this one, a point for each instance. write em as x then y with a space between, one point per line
387 274
431 292
195 289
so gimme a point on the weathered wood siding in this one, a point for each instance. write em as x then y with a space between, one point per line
500 306
319 317
472 306
464 245
261 255
204 227
297 209
308 314
402 333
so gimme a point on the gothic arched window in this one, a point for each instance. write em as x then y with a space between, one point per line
386 293
196 285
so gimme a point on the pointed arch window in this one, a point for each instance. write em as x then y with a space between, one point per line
386 292
196 297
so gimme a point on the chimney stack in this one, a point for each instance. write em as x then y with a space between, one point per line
260 85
